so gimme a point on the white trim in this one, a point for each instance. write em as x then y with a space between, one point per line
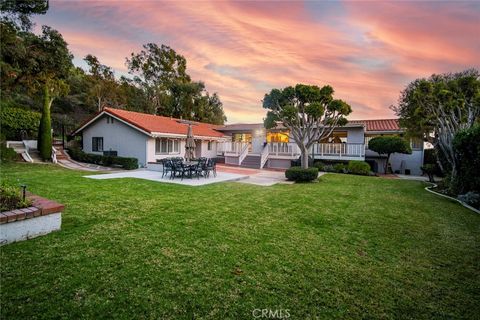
150 134
451 198
184 136
113 116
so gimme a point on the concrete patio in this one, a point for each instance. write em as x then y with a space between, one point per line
224 174
157 176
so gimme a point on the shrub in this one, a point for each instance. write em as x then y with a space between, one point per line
388 145
328 168
11 197
339 168
319 165
300 174
470 198
108 161
467 149
7 154
358 167
430 170
16 120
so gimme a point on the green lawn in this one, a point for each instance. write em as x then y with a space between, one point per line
346 247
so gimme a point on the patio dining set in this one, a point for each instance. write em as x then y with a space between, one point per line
180 168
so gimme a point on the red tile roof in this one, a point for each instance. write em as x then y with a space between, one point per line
152 123
379 125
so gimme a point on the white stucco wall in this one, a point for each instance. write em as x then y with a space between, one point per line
29 228
355 135
209 153
412 161
117 136
258 139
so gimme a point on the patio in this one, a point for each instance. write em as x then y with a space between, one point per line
157 176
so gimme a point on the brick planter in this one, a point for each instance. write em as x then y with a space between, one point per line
43 217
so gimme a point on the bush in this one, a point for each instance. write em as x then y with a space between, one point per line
328 168
340 168
7 154
430 170
108 161
358 167
471 198
319 165
301 175
11 197
467 149
16 120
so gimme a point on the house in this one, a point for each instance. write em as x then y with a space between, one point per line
144 136
150 138
254 146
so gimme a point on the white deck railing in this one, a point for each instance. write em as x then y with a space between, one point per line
283 149
243 153
339 150
231 148
264 156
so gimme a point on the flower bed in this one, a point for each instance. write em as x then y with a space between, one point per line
42 217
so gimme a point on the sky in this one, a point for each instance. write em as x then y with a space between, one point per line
368 51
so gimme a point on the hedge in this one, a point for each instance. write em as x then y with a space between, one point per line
15 120
300 174
467 149
108 161
358 167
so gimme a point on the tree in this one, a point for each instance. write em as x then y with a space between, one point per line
155 70
54 63
18 12
104 86
436 108
161 74
310 114
386 145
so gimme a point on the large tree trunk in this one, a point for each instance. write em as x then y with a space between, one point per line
44 142
304 157
386 164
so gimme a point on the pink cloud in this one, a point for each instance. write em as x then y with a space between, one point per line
244 49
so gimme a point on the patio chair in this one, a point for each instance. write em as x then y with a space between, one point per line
167 166
180 170
210 166
198 169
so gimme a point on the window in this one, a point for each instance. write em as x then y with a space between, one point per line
277 136
97 144
209 145
167 146
109 120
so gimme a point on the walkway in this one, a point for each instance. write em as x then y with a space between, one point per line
74 165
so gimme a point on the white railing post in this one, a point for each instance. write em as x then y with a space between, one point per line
264 156
54 155
243 153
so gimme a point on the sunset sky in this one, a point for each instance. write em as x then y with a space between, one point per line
368 51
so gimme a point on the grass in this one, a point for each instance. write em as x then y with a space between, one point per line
346 247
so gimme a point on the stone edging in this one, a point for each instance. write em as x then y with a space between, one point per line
40 207
451 198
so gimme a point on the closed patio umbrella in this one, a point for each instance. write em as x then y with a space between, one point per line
190 144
